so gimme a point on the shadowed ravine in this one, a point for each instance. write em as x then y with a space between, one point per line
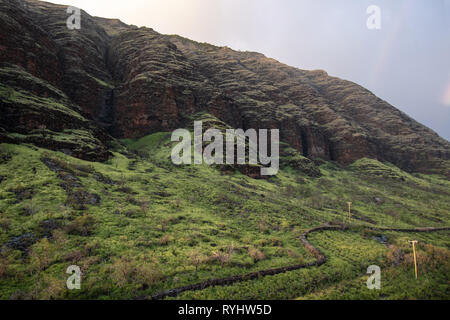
320 260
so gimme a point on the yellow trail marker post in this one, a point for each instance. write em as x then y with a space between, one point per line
349 211
414 242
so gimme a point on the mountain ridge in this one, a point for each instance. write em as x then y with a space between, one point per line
130 82
87 179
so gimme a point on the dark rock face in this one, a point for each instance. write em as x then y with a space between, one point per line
134 81
51 88
25 43
46 227
77 196
22 242
102 179
381 239
81 56
163 79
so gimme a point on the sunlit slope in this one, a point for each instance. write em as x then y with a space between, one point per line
138 224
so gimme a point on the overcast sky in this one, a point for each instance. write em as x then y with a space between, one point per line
406 62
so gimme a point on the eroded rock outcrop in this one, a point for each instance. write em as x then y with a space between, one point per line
51 88
134 81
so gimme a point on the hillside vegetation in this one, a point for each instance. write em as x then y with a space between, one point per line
86 176
138 225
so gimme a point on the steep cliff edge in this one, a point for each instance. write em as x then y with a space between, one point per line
53 81
133 81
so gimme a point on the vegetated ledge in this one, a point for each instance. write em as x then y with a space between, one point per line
321 259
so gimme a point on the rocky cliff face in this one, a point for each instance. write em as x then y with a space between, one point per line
133 81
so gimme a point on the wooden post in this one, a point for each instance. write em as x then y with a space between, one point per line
349 211
414 242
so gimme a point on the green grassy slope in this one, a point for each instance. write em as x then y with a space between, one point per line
137 225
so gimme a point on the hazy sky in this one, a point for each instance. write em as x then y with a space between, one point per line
406 62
